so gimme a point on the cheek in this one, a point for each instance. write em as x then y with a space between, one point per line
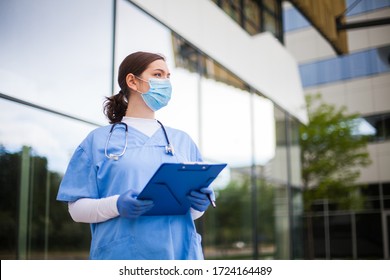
145 87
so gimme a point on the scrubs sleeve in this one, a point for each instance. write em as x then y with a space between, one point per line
80 178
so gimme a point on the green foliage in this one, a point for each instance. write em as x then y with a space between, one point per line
64 234
231 221
331 154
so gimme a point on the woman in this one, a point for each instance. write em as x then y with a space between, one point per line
103 178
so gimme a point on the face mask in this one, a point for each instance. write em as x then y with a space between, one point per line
159 93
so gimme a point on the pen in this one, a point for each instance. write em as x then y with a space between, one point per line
211 201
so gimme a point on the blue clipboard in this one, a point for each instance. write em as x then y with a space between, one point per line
172 182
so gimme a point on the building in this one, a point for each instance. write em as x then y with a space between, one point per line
359 80
56 68
237 92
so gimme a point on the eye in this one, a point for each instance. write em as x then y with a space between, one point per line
158 75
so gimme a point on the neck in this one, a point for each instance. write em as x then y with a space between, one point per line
140 114
138 109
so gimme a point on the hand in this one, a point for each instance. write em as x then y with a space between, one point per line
200 199
130 207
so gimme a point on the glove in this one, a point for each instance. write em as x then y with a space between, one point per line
200 199
130 207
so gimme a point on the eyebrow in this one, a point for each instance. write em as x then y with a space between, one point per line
162 70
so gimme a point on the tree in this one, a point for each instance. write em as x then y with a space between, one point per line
331 153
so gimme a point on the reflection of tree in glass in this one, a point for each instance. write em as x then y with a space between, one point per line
65 239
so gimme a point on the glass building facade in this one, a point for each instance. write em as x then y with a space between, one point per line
55 70
335 231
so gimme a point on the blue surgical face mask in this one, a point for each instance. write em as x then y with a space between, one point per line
159 93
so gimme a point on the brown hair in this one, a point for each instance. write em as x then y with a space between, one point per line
115 106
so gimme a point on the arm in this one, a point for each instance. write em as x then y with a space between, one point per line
89 210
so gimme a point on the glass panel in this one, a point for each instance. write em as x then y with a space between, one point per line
234 10
282 229
54 58
295 153
369 236
184 102
264 151
371 196
278 166
386 126
35 148
340 237
226 135
276 173
298 226
319 237
226 138
271 5
263 130
252 17
270 23
355 65
386 196
377 127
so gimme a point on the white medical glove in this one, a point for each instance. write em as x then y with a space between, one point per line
130 207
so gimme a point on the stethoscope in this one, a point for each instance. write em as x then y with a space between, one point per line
168 148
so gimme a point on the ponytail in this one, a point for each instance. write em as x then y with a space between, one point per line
115 107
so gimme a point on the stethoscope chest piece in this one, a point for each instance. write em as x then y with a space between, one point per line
170 150
114 157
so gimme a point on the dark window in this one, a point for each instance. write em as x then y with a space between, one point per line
340 237
379 126
255 16
369 236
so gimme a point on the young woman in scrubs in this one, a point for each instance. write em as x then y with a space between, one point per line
102 189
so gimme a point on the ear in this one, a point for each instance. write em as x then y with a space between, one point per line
131 81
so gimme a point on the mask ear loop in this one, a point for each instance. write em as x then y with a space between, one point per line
143 81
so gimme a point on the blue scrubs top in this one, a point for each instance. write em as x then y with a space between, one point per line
90 174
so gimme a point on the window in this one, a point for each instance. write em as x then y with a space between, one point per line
255 16
359 64
191 59
378 127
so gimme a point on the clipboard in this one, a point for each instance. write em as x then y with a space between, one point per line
172 182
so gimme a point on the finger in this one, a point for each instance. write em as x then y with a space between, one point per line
209 192
206 190
143 207
142 202
198 195
196 200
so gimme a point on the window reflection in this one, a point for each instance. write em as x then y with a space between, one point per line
226 127
377 127
35 148
255 16
55 59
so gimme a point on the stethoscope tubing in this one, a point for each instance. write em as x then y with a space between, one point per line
168 149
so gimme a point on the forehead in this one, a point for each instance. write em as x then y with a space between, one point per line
158 64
